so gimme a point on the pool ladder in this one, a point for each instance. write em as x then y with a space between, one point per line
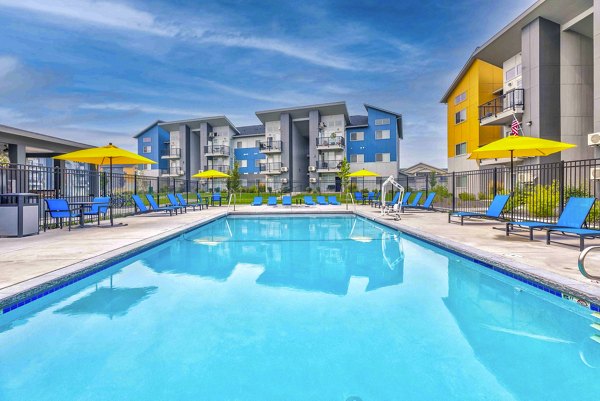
351 200
234 198
596 325
581 262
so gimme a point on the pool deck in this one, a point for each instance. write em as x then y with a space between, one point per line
30 262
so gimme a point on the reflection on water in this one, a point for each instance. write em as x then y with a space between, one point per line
342 249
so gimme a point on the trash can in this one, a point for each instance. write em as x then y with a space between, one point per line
19 214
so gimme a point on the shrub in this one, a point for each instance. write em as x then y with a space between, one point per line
441 191
542 201
466 196
309 190
484 196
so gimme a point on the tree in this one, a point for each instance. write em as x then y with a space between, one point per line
343 174
233 182
432 179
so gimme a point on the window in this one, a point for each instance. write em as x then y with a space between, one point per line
511 73
243 163
238 144
357 158
147 149
460 116
460 148
357 136
148 166
382 157
382 134
147 139
382 121
460 98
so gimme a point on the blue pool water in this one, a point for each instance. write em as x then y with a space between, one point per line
298 308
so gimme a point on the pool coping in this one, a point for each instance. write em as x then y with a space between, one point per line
22 293
586 295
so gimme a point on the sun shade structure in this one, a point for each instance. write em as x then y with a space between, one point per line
363 173
211 174
102 155
518 146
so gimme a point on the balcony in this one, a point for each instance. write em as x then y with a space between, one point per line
269 146
270 168
331 143
325 166
216 150
170 153
500 111
223 168
171 172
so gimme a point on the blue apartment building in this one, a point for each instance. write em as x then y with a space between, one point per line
153 142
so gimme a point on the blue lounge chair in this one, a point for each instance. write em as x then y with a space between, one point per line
582 233
185 203
142 208
258 201
493 212
572 217
321 200
358 196
99 208
333 200
286 200
202 201
371 197
377 203
414 203
154 206
216 197
428 204
59 209
272 201
174 202
308 201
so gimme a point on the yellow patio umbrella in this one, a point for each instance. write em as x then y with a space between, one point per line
518 146
102 155
363 173
211 174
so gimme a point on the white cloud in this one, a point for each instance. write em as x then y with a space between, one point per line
8 65
102 13
148 109
10 116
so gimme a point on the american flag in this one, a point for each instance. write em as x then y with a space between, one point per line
515 127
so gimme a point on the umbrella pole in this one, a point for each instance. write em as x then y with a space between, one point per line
512 184
111 192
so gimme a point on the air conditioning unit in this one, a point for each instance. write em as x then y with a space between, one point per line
284 169
312 169
284 180
595 173
312 180
322 125
594 139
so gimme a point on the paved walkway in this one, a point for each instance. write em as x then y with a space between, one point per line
29 261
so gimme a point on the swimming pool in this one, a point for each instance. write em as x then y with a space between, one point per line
298 308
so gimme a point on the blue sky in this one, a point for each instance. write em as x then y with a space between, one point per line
100 71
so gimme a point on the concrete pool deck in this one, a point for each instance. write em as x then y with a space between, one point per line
26 263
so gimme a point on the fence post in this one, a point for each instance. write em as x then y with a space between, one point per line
135 183
427 185
104 183
453 191
561 187
495 181
158 190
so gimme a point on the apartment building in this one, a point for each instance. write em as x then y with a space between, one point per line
295 147
546 58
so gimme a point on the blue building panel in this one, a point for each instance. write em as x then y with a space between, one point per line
370 146
250 155
155 137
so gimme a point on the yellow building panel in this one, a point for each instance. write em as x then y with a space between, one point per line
478 83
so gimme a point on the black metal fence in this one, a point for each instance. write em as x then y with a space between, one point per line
540 191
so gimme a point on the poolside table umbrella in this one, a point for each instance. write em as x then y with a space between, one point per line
103 155
518 146
363 173
211 174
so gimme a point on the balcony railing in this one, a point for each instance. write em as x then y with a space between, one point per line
216 150
171 152
223 168
274 167
331 142
174 171
269 146
513 100
330 165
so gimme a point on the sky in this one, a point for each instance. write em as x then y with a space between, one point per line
101 71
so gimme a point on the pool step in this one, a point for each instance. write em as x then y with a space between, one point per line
596 314
596 338
596 326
